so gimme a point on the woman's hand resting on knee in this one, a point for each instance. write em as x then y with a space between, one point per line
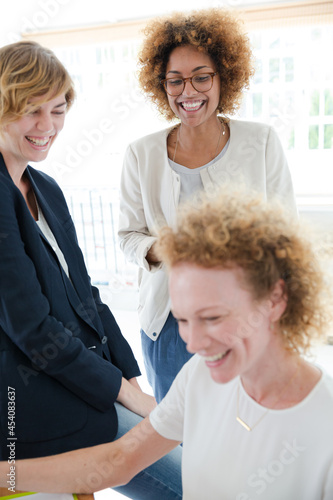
132 397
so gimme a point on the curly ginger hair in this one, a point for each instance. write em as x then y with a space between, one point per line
240 230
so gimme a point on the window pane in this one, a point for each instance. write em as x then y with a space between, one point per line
313 137
258 73
316 34
289 69
328 136
291 141
275 43
125 53
78 82
257 104
328 102
256 41
314 103
274 70
289 104
274 104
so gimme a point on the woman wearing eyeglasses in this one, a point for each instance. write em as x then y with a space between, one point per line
194 67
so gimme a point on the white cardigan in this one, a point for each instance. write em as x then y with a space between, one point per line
150 194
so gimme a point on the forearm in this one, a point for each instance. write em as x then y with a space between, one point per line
92 469
81 471
134 382
132 397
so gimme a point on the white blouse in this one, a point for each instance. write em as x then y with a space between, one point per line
45 228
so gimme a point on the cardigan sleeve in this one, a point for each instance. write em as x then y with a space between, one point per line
328 487
278 178
134 236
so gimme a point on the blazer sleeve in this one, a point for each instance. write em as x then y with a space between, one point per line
122 355
25 318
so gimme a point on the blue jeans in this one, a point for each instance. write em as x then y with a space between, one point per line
161 480
164 357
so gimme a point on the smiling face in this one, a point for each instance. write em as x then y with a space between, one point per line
220 320
30 137
193 107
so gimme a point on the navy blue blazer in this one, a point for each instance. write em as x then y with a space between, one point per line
61 351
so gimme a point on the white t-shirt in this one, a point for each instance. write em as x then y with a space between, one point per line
288 456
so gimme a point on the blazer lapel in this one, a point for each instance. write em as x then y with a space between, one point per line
78 290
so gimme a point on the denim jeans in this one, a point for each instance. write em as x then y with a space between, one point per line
159 481
164 357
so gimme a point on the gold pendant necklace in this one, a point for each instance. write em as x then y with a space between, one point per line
241 421
244 424
222 132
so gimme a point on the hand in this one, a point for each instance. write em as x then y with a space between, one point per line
151 256
134 382
134 399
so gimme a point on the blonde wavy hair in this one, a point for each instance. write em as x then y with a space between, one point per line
230 230
214 31
29 70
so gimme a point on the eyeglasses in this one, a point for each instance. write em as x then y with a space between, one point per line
201 83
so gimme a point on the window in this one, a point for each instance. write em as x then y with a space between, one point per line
293 91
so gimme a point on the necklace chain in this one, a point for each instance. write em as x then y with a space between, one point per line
222 132
244 424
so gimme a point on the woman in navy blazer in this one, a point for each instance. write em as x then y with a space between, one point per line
63 360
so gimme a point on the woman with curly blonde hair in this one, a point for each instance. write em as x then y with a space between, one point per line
194 67
255 417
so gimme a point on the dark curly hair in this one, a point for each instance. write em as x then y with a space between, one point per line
214 31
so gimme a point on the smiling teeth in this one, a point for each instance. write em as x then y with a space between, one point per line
38 142
191 106
216 357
